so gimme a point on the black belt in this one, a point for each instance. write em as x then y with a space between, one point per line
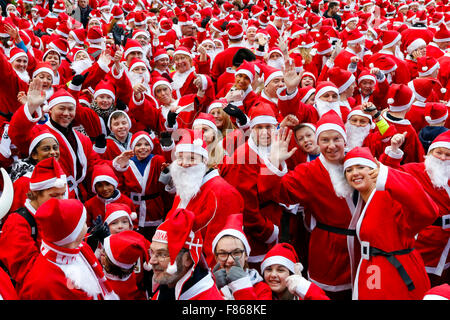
347 232
390 256
441 222
264 204
138 198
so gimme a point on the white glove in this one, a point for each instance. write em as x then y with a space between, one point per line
236 95
296 283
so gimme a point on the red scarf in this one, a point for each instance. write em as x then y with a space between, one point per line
60 255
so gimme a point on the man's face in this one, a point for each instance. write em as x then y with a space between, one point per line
251 34
57 193
182 62
441 153
349 91
188 30
351 25
332 145
359 121
20 64
273 85
366 86
163 94
63 114
143 40
82 3
306 139
94 23
188 159
120 127
329 96
160 260
262 133
132 55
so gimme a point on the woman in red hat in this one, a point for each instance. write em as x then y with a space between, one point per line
389 266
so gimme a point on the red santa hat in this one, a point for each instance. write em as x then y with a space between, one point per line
283 254
59 6
343 79
138 32
137 63
47 174
314 20
125 248
158 82
325 86
384 63
184 19
234 226
117 112
426 65
132 46
63 29
140 18
103 173
360 156
60 46
205 119
270 73
38 137
141 135
263 114
422 88
281 13
415 44
117 12
105 87
309 74
116 210
247 69
192 141
441 141
166 24
16 53
330 121
305 93
95 35
220 103
441 292
234 30
79 35
400 97
366 75
435 112
184 51
442 35
60 96
354 37
60 221
176 232
160 53
390 38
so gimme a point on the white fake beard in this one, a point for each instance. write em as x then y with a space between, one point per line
136 78
324 106
389 78
179 79
80 66
147 48
356 135
337 177
79 279
187 181
23 75
398 53
438 170
276 63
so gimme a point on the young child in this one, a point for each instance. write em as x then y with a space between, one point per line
120 255
104 185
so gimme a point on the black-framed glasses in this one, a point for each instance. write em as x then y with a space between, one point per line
235 254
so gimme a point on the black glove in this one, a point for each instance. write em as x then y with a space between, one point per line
121 105
205 21
165 139
171 118
100 141
234 111
220 276
97 233
7 116
79 79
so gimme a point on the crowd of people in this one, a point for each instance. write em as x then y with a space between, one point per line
236 150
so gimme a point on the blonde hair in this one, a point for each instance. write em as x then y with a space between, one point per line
306 54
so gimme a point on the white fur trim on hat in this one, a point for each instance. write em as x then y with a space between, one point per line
18 55
50 183
182 52
139 137
75 233
214 106
419 42
106 178
133 49
347 84
390 44
110 255
272 76
43 69
413 89
359 113
104 91
246 72
263 120
429 71
39 139
205 122
159 83
439 144
330 126
326 89
278 260
161 56
436 121
118 214
359 161
399 108
187 147
62 99
234 233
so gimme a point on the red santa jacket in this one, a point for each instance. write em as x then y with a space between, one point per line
7 290
329 254
402 74
127 288
215 201
223 60
400 206
433 241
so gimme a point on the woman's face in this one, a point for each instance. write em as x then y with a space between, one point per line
163 94
241 82
142 149
46 80
182 62
119 225
208 133
53 59
20 64
104 101
275 276
358 177
307 81
47 148
218 117
306 140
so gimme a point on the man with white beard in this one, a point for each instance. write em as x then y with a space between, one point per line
433 174
139 75
201 189
143 37
275 58
81 62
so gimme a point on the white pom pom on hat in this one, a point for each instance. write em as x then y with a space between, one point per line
390 100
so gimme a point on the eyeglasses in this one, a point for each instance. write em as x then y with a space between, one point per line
235 254
161 256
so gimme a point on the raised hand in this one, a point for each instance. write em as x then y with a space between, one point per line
35 95
289 121
291 78
220 276
124 158
279 146
397 140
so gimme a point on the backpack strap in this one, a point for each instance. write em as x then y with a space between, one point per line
30 219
